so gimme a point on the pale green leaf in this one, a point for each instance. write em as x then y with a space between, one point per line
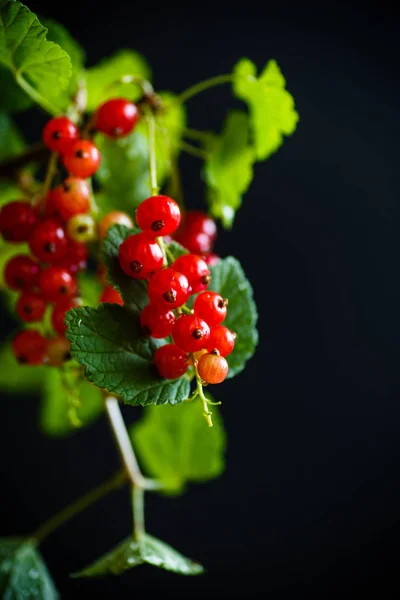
60 35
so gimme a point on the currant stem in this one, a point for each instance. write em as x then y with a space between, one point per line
200 392
193 150
76 507
36 96
204 85
10 168
152 153
51 171
138 512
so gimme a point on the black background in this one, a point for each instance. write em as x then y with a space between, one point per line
309 505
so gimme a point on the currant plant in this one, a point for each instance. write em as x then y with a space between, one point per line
113 279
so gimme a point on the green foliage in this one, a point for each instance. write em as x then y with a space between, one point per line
271 106
108 342
23 574
175 250
58 34
67 404
229 169
229 280
15 99
11 141
41 68
148 549
16 378
103 80
175 447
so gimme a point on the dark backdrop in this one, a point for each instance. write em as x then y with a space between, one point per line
310 503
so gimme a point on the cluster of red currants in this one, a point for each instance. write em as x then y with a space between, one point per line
197 336
57 228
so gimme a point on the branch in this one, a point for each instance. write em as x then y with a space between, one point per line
36 153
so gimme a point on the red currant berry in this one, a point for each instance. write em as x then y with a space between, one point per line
198 243
211 307
58 133
195 269
59 311
17 221
111 295
81 228
48 241
221 339
168 289
81 158
170 361
21 272
116 217
199 222
75 259
29 347
116 117
30 307
70 198
197 232
158 216
58 351
57 282
140 256
211 259
212 368
190 333
155 323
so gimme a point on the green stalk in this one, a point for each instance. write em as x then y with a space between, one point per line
202 86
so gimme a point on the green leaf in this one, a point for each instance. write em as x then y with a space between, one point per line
90 288
16 378
175 446
176 250
15 99
23 574
40 67
11 141
133 291
148 549
229 170
58 415
108 342
229 280
271 106
101 79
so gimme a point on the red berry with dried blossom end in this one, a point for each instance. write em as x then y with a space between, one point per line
111 295
30 307
70 198
168 289
17 221
212 368
81 158
58 351
115 217
190 333
211 307
195 269
139 256
156 323
60 310
158 216
48 241
170 361
57 282
21 272
221 339
116 117
29 347
58 133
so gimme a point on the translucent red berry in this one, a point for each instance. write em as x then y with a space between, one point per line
21 272
76 256
111 295
197 232
59 311
81 158
156 323
81 229
30 307
195 269
140 256
17 221
168 289
158 216
70 198
58 133
221 339
190 333
29 347
199 243
211 259
116 117
58 351
170 361
57 282
211 307
116 217
48 241
212 368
